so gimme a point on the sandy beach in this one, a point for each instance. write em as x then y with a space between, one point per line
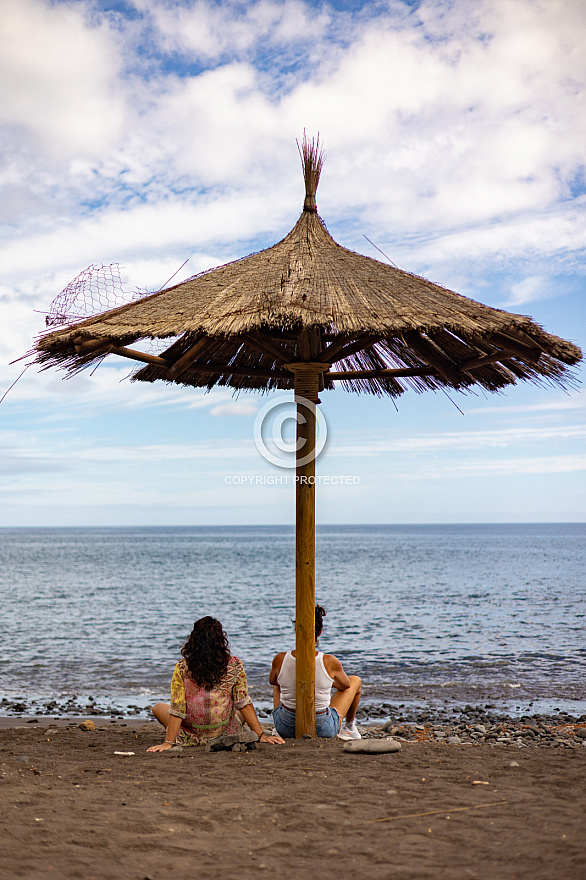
72 807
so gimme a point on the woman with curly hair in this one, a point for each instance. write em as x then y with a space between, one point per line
208 692
330 712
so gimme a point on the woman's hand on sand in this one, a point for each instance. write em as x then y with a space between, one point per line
160 747
269 738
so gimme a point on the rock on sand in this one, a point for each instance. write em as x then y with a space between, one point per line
372 746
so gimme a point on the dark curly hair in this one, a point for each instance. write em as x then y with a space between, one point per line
320 613
207 652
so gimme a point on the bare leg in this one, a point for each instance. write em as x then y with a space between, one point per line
161 713
346 702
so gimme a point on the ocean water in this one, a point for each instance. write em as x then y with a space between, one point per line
429 616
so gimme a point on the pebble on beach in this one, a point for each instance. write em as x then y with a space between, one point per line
372 746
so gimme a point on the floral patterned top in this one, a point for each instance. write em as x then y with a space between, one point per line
206 712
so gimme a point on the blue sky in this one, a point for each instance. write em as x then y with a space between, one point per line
148 133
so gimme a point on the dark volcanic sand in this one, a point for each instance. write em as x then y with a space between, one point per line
307 809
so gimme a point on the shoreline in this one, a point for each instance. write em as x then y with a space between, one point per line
42 722
369 713
522 733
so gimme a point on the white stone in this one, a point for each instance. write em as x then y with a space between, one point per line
372 746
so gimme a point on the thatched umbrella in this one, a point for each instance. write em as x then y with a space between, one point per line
282 318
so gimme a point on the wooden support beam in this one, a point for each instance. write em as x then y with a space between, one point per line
343 348
88 346
185 361
315 343
303 346
265 346
484 361
140 356
465 367
381 374
424 348
309 344
529 352
283 336
521 336
253 372
95 346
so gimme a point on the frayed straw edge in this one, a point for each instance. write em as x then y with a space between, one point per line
312 159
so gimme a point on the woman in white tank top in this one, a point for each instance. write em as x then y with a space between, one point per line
330 711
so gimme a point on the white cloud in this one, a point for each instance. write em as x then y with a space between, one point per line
528 290
207 31
549 240
58 72
553 464
520 466
106 388
400 453
160 453
500 438
234 409
173 225
576 401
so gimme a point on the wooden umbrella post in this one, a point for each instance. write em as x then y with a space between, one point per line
307 380
305 573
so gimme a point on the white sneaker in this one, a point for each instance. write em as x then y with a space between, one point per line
349 731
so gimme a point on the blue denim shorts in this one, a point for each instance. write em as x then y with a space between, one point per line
327 724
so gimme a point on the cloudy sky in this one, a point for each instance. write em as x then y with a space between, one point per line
149 133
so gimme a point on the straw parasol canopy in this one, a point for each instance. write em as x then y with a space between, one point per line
307 298
305 315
